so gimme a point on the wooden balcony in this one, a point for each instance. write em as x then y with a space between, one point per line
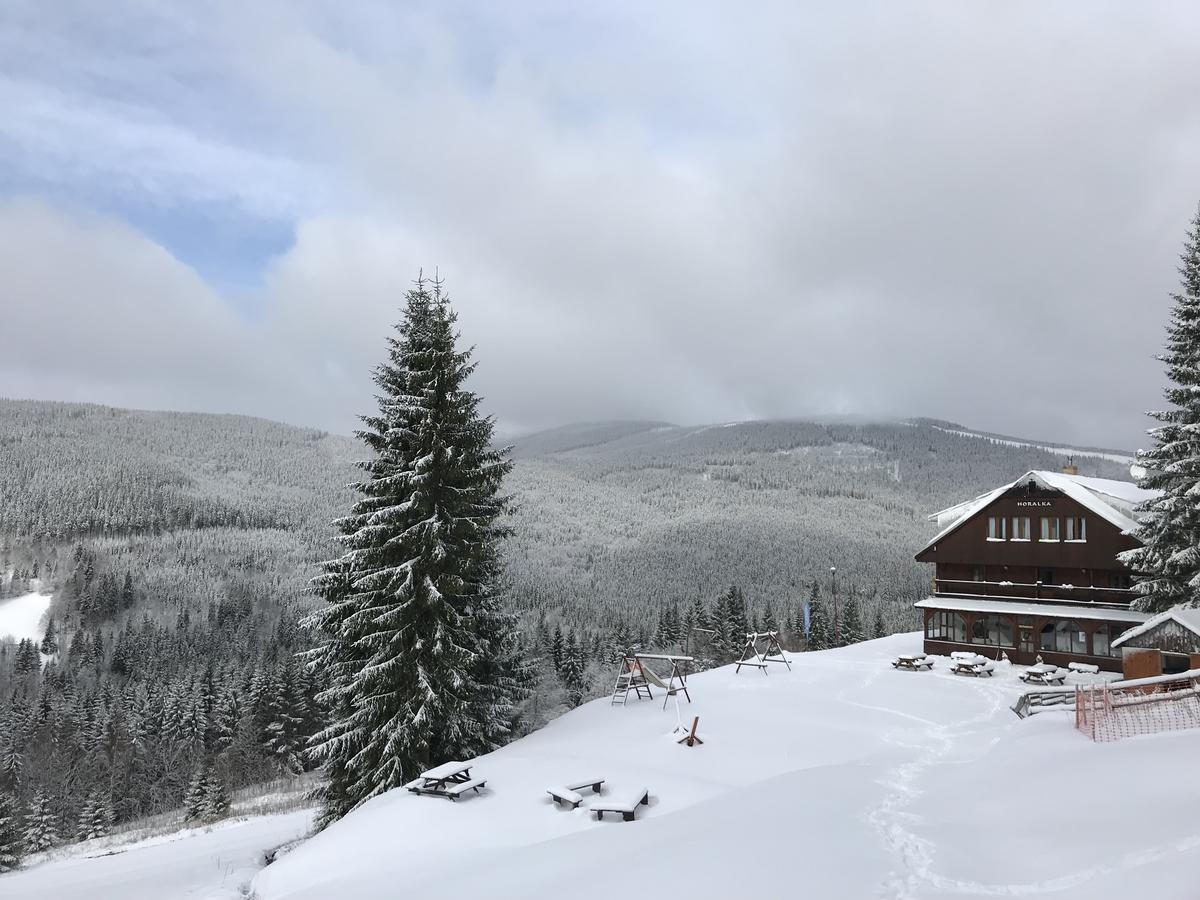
1116 598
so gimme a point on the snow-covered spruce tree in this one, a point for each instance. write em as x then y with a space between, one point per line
41 831
571 672
96 817
852 624
1168 562
820 635
10 835
421 661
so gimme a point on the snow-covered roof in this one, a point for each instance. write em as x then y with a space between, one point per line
1187 617
1017 608
1112 500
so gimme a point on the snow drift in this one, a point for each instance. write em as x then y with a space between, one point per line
842 778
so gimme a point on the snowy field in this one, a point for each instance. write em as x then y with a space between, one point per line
212 863
840 779
24 617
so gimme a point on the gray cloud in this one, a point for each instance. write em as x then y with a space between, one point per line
971 212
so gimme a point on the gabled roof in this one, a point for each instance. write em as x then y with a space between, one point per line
1112 500
1187 617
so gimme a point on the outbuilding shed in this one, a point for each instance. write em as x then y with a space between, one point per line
1166 643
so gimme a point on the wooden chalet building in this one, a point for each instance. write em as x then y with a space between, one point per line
1031 569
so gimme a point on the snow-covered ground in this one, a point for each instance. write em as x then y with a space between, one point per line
841 778
24 616
1123 458
211 863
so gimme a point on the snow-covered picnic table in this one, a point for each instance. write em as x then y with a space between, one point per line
451 780
914 661
1044 673
976 666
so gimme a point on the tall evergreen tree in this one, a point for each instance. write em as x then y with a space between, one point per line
820 629
852 624
572 671
1168 562
41 827
878 629
10 835
422 663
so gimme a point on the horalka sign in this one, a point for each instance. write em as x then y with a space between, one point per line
1030 569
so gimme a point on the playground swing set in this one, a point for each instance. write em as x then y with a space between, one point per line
636 677
771 652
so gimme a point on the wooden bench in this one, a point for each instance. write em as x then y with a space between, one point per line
562 795
454 791
626 805
1084 668
569 792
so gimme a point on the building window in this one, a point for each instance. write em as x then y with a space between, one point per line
1102 641
1020 528
1050 528
992 630
1046 576
1070 638
996 528
1076 528
946 626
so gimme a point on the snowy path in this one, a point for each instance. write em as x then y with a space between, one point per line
202 864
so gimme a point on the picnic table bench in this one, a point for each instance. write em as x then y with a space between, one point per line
626 804
913 661
450 780
1084 668
569 793
1043 673
976 667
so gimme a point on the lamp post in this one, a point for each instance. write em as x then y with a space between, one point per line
837 630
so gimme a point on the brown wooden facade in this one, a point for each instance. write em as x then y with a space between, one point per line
1050 584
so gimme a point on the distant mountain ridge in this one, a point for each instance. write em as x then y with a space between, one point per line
613 518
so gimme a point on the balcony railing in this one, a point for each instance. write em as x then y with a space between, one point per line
1038 591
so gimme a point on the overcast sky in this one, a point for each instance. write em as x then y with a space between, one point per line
676 211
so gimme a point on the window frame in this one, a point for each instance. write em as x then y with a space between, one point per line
1045 529
1070 529
1016 529
992 528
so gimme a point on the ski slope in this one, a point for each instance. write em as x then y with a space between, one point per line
212 863
842 778
24 617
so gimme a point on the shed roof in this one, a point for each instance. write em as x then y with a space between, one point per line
1187 617
1112 500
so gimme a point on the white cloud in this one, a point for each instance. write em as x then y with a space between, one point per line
668 213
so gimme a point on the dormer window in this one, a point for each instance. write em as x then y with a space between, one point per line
996 529
1050 529
1076 528
1020 528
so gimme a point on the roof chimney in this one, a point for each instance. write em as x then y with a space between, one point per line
1070 468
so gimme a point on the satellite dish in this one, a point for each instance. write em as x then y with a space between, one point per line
1138 472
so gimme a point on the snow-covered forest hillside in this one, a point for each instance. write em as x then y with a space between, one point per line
178 549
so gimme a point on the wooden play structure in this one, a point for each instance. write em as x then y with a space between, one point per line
771 652
634 675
